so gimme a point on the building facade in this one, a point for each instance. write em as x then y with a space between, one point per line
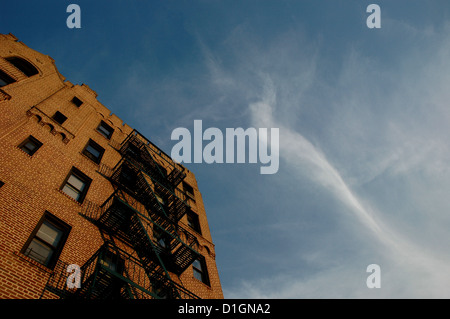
89 207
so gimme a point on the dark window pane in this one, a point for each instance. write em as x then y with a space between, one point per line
105 130
94 151
188 190
198 275
26 67
47 240
112 261
59 117
76 185
39 252
72 192
193 221
49 234
5 79
30 145
77 101
199 270
197 264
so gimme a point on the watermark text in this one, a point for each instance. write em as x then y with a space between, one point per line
239 144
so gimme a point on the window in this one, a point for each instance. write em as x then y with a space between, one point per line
200 273
59 117
47 240
189 190
77 101
30 145
26 67
5 79
161 237
193 221
112 261
76 185
128 176
106 130
94 151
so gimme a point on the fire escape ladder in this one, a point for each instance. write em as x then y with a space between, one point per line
142 252
112 273
157 198
174 253
98 282
168 201
143 214
120 216
129 291
157 241
135 150
131 178
137 147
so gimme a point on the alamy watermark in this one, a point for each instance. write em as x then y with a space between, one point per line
374 19
374 279
74 279
238 144
74 19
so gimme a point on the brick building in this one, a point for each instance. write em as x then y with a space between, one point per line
77 186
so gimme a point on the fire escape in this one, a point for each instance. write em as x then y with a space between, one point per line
143 241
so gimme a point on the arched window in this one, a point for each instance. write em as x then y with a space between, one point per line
23 65
200 271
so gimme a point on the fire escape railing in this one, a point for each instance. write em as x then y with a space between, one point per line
126 218
113 273
157 197
152 160
143 213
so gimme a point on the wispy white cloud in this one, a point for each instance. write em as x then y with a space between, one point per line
390 131
296 149
369 133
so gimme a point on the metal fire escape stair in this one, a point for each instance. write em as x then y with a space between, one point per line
143 212
130 221
137 148
158 199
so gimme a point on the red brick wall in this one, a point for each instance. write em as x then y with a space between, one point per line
32 183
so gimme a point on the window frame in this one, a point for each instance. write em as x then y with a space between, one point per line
83 178
106 127
24 66
76 101
196 222
95 146
187 188
6 78
57 115
203 271
57 223
31 139
112 261
161 238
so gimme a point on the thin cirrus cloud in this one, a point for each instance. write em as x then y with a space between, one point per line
370 133
294 149
378 129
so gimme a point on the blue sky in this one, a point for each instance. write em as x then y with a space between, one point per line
363 117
